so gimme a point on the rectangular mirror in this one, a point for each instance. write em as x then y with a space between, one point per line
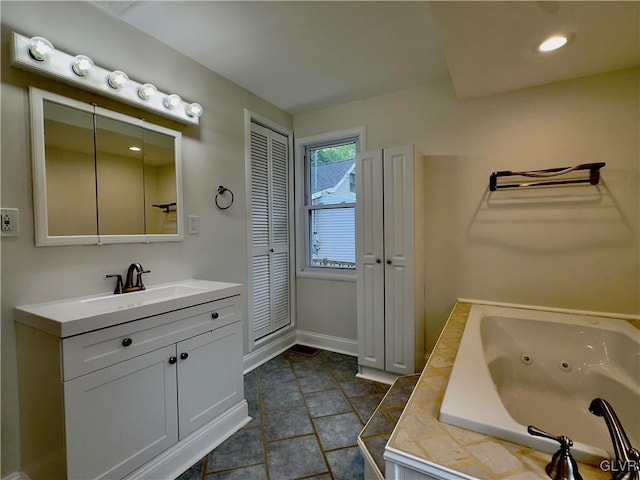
102 177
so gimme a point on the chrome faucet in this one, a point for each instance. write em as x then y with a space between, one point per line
129 286
627 461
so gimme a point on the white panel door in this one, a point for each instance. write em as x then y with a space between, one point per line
398 244
126 413
269 305
369 259
204 389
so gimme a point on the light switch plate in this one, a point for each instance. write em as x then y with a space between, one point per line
9 222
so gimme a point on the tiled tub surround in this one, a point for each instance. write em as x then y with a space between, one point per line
307 412
422 441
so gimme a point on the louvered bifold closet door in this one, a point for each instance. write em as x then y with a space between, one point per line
270 303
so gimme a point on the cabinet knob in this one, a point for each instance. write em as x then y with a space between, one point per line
389 262
126 342
378 260
184 356
215 315
172 360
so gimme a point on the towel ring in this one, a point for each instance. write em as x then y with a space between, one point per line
221 191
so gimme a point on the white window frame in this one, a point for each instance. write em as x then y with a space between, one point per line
302 217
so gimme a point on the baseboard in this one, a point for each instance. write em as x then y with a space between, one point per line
16 476
327 342
376 375
266 352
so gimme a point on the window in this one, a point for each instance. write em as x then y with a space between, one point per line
327 204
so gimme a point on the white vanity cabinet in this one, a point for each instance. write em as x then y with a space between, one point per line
390 261
141 399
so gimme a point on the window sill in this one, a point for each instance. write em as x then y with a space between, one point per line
333 276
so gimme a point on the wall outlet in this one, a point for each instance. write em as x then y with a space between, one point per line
9 222
193 224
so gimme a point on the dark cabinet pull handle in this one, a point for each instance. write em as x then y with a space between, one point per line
126 342
378 260
172 360
389 262
184 355
215 315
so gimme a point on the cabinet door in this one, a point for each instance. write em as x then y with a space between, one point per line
399 261
209 376
121 416
369 259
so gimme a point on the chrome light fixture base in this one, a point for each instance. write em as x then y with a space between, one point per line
36 54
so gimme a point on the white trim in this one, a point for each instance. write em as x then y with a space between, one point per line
177 459
300 222
345 346
369 463
16 476
250 116
622 316
376 375
268 351
398 463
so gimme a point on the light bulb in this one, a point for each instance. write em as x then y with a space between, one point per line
117 79
40 48
81 65
146 91
194 110
554 43
172 101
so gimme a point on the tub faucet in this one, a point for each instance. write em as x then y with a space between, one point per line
129 286
562 465
627 461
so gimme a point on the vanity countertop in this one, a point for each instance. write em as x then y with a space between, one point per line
74 316
422 439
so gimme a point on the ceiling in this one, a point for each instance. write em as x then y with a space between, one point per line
306 55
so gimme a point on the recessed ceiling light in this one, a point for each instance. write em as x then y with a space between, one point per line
554 42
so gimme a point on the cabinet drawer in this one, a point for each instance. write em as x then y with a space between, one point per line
98 349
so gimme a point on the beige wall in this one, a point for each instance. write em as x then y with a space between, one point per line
574 248
213 154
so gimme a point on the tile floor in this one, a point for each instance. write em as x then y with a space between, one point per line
307 412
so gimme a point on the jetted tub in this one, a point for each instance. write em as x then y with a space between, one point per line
517 367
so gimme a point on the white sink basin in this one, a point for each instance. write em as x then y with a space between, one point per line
74 316
135 299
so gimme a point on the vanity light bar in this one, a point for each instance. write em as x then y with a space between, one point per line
41 57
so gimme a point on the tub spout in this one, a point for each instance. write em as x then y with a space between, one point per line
627 461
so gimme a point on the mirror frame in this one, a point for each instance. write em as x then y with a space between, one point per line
42 237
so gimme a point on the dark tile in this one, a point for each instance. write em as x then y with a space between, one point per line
305 451
375 447
344 369
243 448
286 422
285 395
356 387
331 402
346 464
324 476
379 423
366 405
317 382
273 378
308 365
194 473
337 431
254 413
281 361
251 386
400 392
255 472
